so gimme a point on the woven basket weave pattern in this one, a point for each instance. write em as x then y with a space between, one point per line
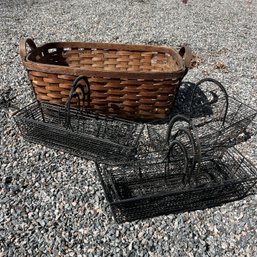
119 60
129 94
133 97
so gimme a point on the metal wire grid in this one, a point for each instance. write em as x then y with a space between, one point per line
142 189
233 130
216 119
87 135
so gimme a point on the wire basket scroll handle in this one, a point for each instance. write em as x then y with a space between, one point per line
72 95
22 47
76 84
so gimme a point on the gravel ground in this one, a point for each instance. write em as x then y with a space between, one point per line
51 204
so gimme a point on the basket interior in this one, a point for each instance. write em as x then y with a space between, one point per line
104 58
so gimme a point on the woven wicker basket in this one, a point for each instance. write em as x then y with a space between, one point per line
132 81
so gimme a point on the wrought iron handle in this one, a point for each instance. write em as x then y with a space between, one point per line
76 85
22 47
194 155
222 88
192 135
178 117
67 107
184 156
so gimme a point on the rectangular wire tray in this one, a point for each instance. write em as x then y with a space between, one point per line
236 128
220 120
89 135
148 188
213 132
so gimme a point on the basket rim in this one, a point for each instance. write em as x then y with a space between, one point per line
50 68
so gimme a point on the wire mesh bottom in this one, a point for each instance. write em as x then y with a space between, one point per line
145 189
88 135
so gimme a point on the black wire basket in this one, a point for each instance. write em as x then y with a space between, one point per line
206 110
156 186
79 132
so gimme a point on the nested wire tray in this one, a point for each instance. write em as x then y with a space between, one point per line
152 187
219 120
87 134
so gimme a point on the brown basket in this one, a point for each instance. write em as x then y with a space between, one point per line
132 81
